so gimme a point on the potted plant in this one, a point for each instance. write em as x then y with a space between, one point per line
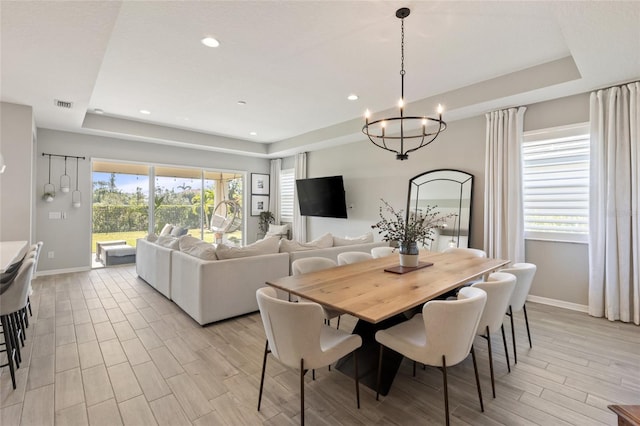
408 232
266 217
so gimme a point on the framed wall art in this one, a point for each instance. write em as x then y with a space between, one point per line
259 204
259 184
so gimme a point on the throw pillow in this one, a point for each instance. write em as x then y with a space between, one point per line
279 230
268 245
151 238
166 230
197 248
288 246
169 242
349 241
179 231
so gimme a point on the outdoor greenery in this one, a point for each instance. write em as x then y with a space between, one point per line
119 215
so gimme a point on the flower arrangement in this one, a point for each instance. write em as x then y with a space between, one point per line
418 228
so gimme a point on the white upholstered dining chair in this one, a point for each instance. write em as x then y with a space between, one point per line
442 336
499 287
524 273
349 257
468 251
378 252
297 337
312 264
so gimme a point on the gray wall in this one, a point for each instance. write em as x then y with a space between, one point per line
371 173
16 145
70 238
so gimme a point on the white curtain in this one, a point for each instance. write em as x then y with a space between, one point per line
614 222
299 222
274 197
504 216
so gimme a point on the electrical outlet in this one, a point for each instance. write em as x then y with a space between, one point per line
50 255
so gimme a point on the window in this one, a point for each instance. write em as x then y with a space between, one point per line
556 183
287 183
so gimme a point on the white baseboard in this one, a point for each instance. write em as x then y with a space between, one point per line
62 271
558 303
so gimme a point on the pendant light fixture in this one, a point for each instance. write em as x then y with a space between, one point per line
65 179
401 134
76 196
49 188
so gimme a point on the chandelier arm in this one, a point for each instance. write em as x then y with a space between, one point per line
422 143
382 146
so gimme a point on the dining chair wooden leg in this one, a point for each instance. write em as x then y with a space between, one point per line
264 367
445 388
338 326
526 321
506 351
379 373
9 347
355 367
414 369
475 368
302 372
513 337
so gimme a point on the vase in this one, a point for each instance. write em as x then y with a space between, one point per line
409 254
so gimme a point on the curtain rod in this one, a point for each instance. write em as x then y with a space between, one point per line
63 156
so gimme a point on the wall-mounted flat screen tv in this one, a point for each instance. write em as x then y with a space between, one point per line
322 197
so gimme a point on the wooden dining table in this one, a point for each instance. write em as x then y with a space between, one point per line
381 299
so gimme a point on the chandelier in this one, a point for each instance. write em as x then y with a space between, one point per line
410 133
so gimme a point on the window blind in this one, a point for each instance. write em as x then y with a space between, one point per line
556 185
287 182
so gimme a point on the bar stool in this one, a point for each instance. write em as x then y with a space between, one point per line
12 302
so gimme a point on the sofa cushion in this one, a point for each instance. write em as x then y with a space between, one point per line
349 241
289 246
166 230
168 241
267 245
152 238
197 248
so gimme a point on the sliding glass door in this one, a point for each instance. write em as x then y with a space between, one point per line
132 200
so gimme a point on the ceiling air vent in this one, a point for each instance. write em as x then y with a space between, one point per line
63 104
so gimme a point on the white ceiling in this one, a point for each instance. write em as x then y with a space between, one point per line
295 62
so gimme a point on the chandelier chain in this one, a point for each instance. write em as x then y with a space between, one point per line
402 72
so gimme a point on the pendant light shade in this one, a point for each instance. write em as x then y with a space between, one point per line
76 196
49 189
65 179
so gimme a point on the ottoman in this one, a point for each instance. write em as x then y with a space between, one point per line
119 254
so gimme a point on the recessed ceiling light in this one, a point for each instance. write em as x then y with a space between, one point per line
98 111
352 97
145 112
242 102
253 133
210 42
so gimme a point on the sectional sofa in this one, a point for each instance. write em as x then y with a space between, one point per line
211 283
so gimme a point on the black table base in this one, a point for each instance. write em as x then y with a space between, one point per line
369 354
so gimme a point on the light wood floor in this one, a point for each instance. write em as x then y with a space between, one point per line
105 348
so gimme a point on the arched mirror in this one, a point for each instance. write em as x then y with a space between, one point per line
450 191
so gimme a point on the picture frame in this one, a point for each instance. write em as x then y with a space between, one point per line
259 184
259 204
